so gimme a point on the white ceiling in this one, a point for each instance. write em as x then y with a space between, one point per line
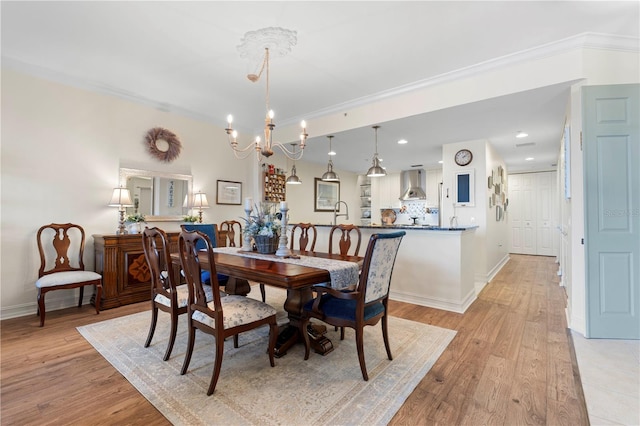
182 57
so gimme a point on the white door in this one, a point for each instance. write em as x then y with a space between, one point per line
545 200
522 214
532 213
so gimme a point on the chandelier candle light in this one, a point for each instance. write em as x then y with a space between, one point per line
281 41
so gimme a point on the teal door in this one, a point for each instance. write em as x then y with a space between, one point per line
611 149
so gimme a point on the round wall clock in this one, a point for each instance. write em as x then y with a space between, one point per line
163 144
463 157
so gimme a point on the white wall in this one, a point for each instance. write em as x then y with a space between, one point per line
491 236
61 152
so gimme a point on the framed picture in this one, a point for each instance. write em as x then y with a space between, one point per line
229 192
325 195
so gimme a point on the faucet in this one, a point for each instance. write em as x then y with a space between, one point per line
335 212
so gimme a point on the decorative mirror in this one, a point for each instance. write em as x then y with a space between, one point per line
157 195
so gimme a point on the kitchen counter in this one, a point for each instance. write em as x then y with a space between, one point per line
434 267
411 227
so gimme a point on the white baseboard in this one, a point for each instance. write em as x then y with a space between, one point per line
457 306
52 303
481 280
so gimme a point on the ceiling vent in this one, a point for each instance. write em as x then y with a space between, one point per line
521 145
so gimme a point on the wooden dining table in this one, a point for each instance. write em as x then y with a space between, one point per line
296 279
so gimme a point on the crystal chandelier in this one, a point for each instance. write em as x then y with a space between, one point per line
281 40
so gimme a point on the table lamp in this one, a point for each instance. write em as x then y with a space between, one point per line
200 202
121 198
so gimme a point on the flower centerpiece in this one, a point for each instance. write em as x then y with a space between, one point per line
263 225
134 222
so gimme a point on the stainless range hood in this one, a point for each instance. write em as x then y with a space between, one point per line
413 183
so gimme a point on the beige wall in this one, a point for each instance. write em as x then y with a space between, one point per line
61 152
62 148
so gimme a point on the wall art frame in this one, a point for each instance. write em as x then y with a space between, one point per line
325 195
229 192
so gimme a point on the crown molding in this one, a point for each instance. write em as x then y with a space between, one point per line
579 41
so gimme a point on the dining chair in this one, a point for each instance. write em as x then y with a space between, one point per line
367 304
231 229
345 240
223 316
165 294
308 235
61 249
211 231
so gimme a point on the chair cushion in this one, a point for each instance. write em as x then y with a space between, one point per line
344 309
205 277
237 310
183 295
67 277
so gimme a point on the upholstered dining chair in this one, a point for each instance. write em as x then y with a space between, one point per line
308 236
211 231
367 304
223 316
166 294
61 249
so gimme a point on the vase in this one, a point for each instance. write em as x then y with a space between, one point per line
266 244
135 227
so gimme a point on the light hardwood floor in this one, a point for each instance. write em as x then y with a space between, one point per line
511 362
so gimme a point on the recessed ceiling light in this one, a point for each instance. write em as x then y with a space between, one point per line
440 162
529 159
521 134
402 141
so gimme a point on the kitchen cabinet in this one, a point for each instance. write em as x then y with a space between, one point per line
387 191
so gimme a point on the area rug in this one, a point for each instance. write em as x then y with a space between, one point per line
324 390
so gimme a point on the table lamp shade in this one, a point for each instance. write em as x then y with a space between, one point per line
121 197
200 200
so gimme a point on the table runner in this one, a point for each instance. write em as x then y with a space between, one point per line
343 273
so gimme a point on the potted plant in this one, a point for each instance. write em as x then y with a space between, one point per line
263 225
134 223
190 219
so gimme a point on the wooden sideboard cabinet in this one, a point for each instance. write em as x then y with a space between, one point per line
125 275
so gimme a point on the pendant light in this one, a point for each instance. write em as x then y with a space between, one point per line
330 175
293 179
376 170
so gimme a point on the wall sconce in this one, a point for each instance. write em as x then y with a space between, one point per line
121 198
